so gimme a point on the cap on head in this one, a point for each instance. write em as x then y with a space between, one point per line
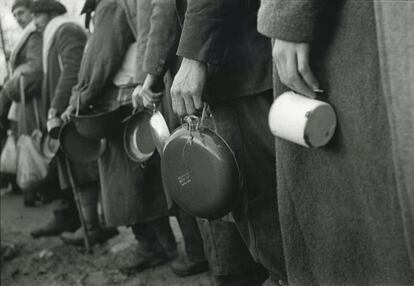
22 3
48 6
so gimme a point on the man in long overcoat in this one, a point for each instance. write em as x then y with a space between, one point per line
226 63
63 45
132 193
26 61
229 259
339 207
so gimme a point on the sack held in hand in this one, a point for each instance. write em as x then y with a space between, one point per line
8 159
32 165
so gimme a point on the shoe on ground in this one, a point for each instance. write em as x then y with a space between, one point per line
53 228
142 259
96 236
182 266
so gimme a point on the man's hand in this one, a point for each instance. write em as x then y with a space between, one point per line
292 63
151 90
136 100
188 86
66 115
52 113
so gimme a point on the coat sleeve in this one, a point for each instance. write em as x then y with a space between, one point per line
162 38
31 69
294 21
71 42
208 29
104 53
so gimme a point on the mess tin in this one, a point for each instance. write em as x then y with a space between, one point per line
302 120
79 148
199 170
138 142
97 122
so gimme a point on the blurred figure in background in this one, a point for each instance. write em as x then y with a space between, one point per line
25 60
63 45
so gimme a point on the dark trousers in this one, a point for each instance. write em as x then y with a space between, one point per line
243 124
156 236
193 241
230 261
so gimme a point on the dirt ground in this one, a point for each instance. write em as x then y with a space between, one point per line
49 262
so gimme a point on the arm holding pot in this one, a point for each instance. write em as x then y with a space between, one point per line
160 49
208 29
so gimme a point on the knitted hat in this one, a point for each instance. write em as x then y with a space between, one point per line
48 6
21 3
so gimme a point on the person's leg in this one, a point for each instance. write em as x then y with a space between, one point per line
88 196
243 124
193 261
65 218
229 259
150 252
165 236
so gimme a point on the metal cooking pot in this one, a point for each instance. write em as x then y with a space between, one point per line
138 142
79 148
159 129
98 122
199 170
53 127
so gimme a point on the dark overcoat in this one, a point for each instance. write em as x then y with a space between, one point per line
27 62
339 207
131 192
63 61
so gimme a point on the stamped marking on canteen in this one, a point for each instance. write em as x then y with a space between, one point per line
184 179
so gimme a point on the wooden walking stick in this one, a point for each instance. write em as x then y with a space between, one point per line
79 207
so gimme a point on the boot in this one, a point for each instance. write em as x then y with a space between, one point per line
194 260
55 227
65 218
96 236
149 252
182 266
144 257
88 195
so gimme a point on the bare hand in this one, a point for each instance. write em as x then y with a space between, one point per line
188 86
292 63
52 113
66 116
148 94
136 100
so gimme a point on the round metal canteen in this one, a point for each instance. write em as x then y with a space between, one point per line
199 170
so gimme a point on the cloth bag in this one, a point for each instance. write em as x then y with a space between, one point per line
8 159
32 164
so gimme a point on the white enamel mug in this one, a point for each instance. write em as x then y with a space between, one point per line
302 120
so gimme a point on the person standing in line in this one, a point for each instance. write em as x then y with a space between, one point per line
63 45
25 60
340 212
229 259
227 64
132 193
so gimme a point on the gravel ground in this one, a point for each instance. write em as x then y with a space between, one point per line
48 262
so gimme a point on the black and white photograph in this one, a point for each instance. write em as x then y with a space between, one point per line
207 142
